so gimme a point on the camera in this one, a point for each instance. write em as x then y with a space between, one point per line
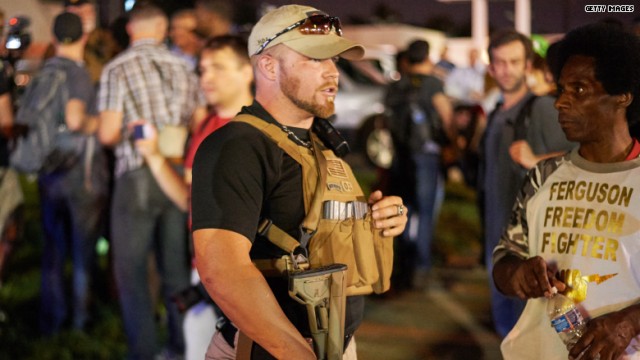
18 38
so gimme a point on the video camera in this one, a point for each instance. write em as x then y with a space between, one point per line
18 38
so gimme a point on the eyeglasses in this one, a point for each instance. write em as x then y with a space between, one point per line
313 25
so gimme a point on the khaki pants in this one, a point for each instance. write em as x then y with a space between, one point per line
219 349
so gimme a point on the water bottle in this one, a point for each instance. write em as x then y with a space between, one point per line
565 318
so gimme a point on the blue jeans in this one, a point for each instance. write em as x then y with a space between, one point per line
73 217
505 310
143 220
424 208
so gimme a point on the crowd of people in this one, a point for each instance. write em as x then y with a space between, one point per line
206 157
191 86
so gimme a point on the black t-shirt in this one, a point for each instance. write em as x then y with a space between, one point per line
241 176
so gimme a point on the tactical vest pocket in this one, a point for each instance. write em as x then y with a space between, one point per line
332 245
363 250
367 254
383 247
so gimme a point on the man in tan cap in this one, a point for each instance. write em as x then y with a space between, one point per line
241 177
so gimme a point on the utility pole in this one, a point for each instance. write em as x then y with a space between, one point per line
479 23
522 19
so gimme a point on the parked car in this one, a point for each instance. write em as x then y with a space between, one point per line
360 111
360 102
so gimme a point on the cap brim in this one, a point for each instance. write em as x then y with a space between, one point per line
326 46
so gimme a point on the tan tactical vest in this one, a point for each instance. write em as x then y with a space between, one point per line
336 213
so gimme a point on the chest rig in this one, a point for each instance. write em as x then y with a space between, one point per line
337 227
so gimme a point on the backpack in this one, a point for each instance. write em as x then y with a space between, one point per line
414 122
48 145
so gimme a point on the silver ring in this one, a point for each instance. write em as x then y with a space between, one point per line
400 210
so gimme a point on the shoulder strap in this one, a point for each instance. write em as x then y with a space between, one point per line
274 133
311 219
521 125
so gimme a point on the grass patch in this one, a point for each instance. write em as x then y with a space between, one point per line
458 230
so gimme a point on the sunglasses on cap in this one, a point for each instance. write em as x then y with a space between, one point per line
313 25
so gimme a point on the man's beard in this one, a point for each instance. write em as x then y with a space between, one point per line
517 86
290 87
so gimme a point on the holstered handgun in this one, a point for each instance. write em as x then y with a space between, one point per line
322 291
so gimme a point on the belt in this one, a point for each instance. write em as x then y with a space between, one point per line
228 332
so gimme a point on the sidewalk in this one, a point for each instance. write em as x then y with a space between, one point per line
450 320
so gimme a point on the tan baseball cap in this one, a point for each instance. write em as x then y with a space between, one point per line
313 46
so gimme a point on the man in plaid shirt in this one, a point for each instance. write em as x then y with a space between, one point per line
147 84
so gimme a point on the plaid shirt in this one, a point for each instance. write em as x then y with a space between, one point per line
147 82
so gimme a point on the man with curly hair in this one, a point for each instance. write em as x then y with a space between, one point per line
574 225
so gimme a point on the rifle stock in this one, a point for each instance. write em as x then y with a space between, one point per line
322 291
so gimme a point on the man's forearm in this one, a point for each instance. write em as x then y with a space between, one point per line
6 110
109 127
248 301
244 296
170 182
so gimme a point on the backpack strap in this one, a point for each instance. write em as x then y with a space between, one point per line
521 124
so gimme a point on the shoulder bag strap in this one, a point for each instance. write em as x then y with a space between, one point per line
521 125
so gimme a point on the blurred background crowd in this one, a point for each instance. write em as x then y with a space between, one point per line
206 35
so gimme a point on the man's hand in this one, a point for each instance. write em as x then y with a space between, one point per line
522 154
388 212
148 145
14 131
525 278
576 283
608 336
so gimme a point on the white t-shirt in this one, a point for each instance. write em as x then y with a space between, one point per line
584 218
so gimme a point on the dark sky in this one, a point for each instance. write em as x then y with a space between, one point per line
548 16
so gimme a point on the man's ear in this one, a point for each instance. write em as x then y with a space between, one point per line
491 70
267 66
624 99
247 71
528 66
